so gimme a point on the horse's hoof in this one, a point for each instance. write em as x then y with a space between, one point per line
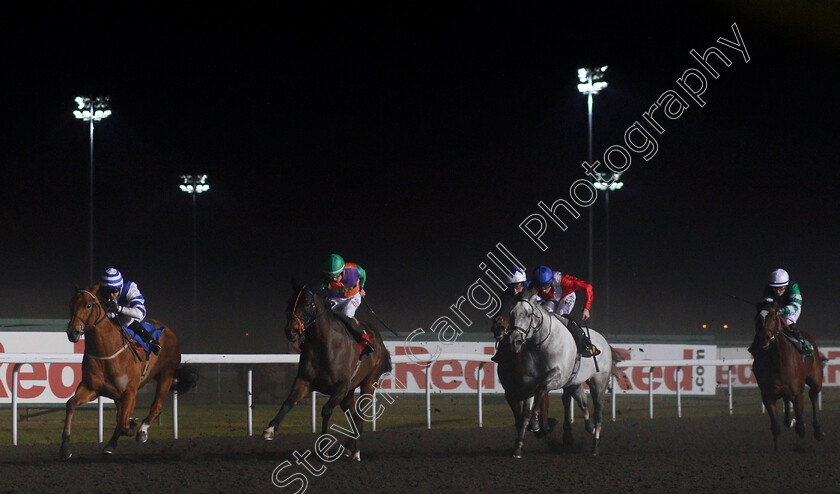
589 426
357 456
65 454
268 435
819 435
142 437
790 424
109 450
517 454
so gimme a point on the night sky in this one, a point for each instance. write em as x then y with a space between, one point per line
412 141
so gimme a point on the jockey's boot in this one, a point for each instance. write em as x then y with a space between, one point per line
584 345
358 333
138 328
805 347
588 349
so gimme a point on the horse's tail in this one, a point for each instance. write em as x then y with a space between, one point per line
617 357
186 378
385 364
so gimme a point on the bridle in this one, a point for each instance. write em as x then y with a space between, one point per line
778 317
534 323
303 325
86 324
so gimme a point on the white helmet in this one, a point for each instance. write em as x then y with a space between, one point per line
516 276
112 279
779 278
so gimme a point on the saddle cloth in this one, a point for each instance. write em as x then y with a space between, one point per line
138 341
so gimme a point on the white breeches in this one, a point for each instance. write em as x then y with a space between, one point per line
346 306
562 306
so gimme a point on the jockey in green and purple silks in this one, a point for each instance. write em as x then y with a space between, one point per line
344 285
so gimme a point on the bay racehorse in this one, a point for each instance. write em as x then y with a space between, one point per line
112 367
509 368
782 372
330 364
550 361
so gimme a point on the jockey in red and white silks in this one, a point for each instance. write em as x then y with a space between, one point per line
558 291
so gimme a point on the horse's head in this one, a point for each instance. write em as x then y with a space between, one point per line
526 317
500 324
768 324
85 312
301 312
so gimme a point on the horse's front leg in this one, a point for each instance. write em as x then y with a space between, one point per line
83 395
522 426
299 390
775 427
125 426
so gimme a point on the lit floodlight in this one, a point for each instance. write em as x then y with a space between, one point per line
96 109
194 184
613 183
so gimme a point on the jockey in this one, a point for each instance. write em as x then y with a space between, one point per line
344 285
516 282
125 305
779 289
557 291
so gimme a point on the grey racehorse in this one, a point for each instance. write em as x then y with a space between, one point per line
550 360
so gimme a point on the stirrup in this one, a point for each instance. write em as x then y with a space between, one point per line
590 350
154 346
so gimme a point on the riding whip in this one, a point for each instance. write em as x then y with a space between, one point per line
367 304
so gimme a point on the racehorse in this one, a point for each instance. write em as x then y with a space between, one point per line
112 367
782 372
330 363
550 361
509 370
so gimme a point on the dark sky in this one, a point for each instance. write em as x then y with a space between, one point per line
412 141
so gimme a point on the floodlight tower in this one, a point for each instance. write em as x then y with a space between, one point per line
194 185
91 110
607 185
590 85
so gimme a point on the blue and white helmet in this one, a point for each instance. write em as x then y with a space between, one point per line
111 279
516 276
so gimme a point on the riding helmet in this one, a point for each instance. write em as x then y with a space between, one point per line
111 278
779 278
334 265
516 276
543 276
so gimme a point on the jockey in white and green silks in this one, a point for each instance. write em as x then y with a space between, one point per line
780 289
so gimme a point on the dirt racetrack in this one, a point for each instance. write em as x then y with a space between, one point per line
718 454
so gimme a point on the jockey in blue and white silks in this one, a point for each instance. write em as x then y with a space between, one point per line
125 304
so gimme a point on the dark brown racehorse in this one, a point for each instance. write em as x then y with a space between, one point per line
330 363
782 372
113 368
509 370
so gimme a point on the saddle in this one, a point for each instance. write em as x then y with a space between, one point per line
803 346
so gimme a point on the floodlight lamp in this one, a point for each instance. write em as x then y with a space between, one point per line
82 102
